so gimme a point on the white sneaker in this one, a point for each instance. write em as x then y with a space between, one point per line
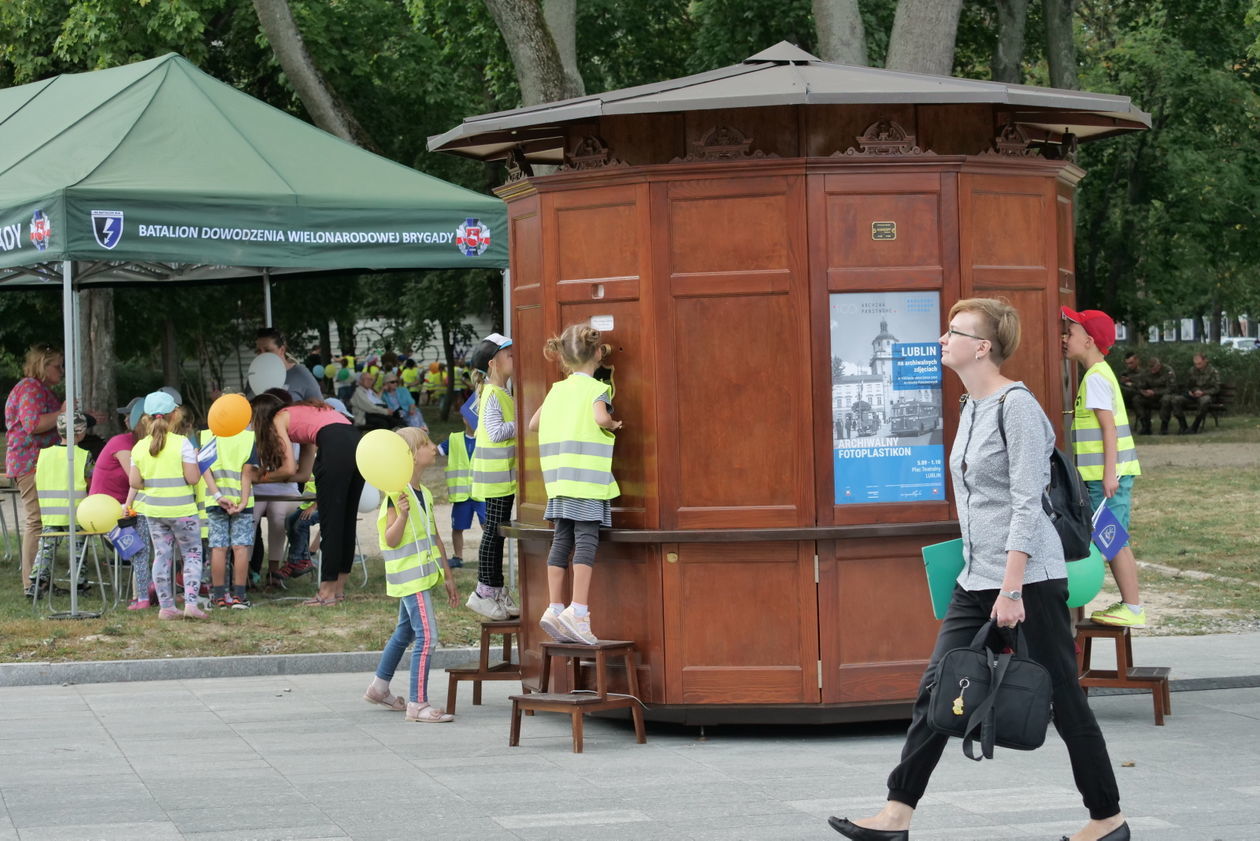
509 604
577 627
550 623
489 608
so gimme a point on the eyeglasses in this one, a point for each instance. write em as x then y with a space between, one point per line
952 332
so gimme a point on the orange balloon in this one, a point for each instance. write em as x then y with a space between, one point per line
229 415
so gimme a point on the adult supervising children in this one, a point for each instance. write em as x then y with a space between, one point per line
1013 573
494 471
326 443
575 448
1105 453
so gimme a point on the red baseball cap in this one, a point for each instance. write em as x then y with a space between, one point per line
1098 326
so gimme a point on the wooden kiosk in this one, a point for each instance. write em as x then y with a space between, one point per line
772 249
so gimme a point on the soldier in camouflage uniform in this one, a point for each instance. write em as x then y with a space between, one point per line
1128 378
1203 383
1155 390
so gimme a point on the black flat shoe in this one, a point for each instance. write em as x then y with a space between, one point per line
848 829
1120 833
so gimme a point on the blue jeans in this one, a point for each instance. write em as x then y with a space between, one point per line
300 534
416 621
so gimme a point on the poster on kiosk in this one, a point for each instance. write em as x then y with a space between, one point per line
887 427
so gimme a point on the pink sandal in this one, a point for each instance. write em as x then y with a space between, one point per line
428 714
397 703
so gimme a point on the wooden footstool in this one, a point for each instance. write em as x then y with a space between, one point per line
579 702
1125 675
483 669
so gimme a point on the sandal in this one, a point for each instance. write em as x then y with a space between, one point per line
428 714
397 703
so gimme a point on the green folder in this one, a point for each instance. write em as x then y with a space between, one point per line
943 562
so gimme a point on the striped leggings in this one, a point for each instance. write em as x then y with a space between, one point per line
416 621
490 557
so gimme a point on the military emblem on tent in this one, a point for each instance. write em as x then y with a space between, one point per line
107 226
41 230
472 237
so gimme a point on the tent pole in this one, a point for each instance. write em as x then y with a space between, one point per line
266 297
71 372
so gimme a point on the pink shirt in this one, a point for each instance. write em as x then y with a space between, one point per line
305 422
29 399
110 478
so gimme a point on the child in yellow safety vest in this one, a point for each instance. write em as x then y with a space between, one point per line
493 472
163 474
51 474
298 526
1103 444
458 449
229 482
415 564
575 448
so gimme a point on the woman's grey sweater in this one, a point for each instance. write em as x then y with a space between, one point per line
998 489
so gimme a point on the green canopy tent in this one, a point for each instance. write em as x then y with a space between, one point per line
156 172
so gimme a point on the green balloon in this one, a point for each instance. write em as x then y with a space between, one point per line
1085 578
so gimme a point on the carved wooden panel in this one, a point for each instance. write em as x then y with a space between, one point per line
761 647
734 311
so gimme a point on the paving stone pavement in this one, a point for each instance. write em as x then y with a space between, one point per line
303 757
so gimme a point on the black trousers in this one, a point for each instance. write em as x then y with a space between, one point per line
1048 632
338 486
490 556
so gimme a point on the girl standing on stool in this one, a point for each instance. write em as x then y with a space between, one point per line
163 474
494 472
575 448
415 563
1014 573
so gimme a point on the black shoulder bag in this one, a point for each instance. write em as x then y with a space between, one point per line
1002 698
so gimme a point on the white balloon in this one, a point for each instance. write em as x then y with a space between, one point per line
266 371
370 500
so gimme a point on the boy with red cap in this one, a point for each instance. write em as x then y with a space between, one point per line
1103 444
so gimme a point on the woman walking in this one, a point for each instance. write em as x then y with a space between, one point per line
1014 572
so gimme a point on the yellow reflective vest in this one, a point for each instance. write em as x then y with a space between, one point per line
228 465
1087 434
493 462
414 565
165 494
458 468
50 482
575 452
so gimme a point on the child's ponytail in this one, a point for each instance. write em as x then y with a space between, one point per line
160 425
578 345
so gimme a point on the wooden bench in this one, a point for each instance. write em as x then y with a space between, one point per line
1125 675
483 669
1221 403
579 702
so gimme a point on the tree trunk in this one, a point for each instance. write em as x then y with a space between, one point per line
325 342
923 35
320 100
539 69
1061 44
841 35
1008 54
561 18
448 351
100 391
170 354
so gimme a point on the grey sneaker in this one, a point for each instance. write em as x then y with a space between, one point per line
578 628
550 622
489 608
509 604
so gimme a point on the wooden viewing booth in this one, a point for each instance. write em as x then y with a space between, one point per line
772 249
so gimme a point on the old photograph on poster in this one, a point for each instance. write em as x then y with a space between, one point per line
887 427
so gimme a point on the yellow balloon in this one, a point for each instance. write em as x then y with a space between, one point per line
98 513
385 460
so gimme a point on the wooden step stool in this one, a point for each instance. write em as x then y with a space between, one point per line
1125 675
576 703
483 669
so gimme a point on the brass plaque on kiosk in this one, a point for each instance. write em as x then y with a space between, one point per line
883 230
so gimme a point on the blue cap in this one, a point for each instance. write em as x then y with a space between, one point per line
159 403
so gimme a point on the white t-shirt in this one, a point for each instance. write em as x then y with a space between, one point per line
1099 394
188 453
